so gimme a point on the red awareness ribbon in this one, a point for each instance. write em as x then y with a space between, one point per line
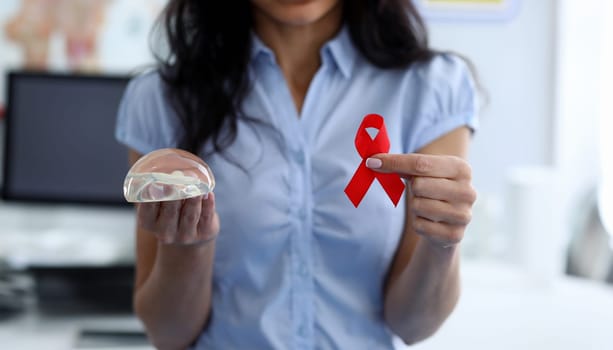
363 176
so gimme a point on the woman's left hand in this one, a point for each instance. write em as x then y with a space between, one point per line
441 193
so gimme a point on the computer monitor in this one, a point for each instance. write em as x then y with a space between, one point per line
59 139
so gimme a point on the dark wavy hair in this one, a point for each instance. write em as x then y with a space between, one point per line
208 51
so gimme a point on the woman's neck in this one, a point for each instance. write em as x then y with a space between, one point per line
297 47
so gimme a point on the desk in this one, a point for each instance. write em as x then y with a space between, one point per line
65 235
499 309
31 331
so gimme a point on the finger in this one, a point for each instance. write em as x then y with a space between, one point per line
147 214
188 220
443 189
168 220
439 232
415 164
208 224
440 211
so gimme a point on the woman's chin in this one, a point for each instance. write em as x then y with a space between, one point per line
296 13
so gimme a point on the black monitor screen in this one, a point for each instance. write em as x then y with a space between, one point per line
60 143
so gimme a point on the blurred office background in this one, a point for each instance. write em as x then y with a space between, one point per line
538 257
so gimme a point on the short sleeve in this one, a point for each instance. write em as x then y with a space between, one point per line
448 100
145 120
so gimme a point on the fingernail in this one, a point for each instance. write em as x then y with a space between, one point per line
373 163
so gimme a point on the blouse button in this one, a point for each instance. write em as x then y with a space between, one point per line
299 156
302 330
303 270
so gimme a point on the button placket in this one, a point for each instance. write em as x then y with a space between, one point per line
303 269
301 307
299 157
302 213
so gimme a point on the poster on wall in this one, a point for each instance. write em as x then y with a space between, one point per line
75 35
468 10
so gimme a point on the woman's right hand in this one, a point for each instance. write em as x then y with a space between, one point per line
182 222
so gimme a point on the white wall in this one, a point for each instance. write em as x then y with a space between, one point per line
533 117
9 56
580 87
515 59
543 72
515 63
606 124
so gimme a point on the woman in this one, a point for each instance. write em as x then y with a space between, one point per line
271 93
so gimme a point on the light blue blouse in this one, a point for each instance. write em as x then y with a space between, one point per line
297 266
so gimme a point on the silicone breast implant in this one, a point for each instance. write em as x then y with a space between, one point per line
167 174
